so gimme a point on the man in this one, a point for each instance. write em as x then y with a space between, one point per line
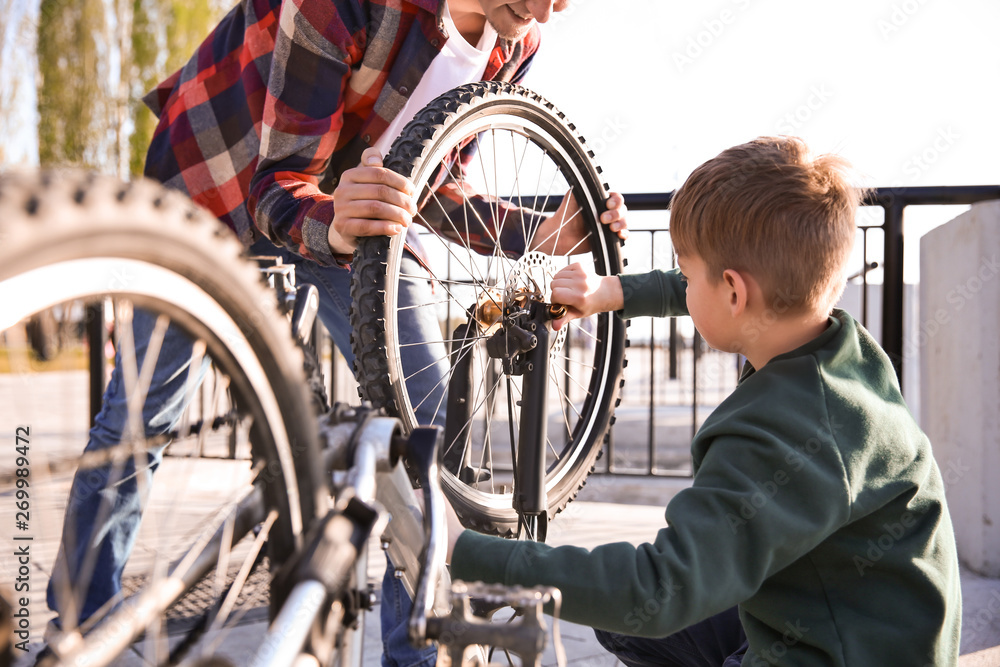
265 126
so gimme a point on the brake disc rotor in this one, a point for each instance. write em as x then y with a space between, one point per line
531 278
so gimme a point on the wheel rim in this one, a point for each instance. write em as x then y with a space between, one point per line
241 371
76 279
536 144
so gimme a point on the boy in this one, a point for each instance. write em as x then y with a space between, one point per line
815 531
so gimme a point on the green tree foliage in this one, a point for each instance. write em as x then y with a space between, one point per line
73 106
165 35
148 67
97 59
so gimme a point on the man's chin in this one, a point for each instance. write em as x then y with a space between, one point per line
513 33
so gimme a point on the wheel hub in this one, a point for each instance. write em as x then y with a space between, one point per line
528 280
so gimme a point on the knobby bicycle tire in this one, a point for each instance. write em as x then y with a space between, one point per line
538 133
71 238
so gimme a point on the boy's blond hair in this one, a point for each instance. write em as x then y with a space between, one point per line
769 208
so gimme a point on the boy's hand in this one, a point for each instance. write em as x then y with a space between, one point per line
370 201
572 237
585 293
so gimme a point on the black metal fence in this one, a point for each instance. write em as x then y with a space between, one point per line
674 381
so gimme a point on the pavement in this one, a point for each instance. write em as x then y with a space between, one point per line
609 508
606 511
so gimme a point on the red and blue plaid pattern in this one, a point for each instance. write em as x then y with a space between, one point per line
283 92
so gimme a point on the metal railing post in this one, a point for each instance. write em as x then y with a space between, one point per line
892 286
97 339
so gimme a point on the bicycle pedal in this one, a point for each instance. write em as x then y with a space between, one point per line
486 607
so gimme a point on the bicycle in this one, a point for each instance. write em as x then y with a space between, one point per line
70 239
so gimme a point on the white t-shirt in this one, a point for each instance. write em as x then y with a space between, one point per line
458 62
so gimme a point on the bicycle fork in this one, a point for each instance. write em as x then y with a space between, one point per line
529 473
522 345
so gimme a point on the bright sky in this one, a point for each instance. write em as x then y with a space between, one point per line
20 135
908 90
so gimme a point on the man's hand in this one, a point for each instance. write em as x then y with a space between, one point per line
585 293
563 233
370 201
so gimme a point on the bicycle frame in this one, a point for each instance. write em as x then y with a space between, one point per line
366 457
364 453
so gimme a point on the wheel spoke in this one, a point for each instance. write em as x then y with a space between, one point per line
558 232
74 591
229 602
496 197
463 352
563 401
443 281
432 364
548 193
579 243
443 342
573 380
447 245
486 458
517 183
570 359
469 422
425 305
578 327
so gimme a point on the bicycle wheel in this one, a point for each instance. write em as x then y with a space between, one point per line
519 155
210 514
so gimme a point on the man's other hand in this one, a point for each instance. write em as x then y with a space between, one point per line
564 232
370 200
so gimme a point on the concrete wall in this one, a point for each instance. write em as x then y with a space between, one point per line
959 350
851 301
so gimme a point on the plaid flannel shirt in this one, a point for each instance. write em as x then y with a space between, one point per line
283 96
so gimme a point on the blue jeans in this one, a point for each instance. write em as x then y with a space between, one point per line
105 505
718 641
394 613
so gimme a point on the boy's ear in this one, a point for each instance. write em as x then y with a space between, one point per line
739 291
